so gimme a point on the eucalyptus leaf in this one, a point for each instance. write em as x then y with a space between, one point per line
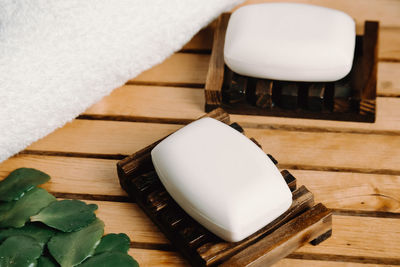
40 233
107 259
16 213
19 251
70 249
43 261
20 181
67 215
113 242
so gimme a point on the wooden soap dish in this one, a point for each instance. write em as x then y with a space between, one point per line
304 222
352 98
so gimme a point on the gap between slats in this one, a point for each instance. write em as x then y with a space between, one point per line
283 166
369 195
345 242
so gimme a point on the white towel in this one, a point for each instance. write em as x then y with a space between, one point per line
59 57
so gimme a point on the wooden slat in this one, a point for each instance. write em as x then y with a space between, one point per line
389 42
339 263
352 235
353 191
128 218
387 11
149 258
152 102
296 233
361 236
388 45
387 121
71 175
215 74
202 41
103 137
389 78
174 104
363 192
178 69
371 152
331 150
187 69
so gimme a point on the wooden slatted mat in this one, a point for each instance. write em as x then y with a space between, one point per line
353 168
303 222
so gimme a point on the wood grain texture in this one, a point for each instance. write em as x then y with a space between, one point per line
350 238
149 258
130 219
333 263
369 68
333 150
126 217
202 41
182 105
190 70
312 149
352 191
302 200
152 102
348 191
387 121
215 74
374 237
96 137
177 69
70 174
388 78
388 47
386 11
389 44
295 233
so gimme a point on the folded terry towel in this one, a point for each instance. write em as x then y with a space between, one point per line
59 57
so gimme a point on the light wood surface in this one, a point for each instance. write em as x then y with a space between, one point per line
194 71
353 168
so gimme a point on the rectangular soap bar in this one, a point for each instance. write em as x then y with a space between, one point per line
221 178
291 42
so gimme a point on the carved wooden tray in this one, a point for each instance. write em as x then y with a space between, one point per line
304 221
352 98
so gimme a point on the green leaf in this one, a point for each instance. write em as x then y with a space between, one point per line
43 261
70 249
16 213
40 233
113 242
18 182
67 215
110 259
19 251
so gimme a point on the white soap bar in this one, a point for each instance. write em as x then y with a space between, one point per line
292 42
221 178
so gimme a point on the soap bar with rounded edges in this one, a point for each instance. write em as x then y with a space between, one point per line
221 178
292 42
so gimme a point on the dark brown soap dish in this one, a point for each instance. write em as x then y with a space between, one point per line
352 98
304 222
